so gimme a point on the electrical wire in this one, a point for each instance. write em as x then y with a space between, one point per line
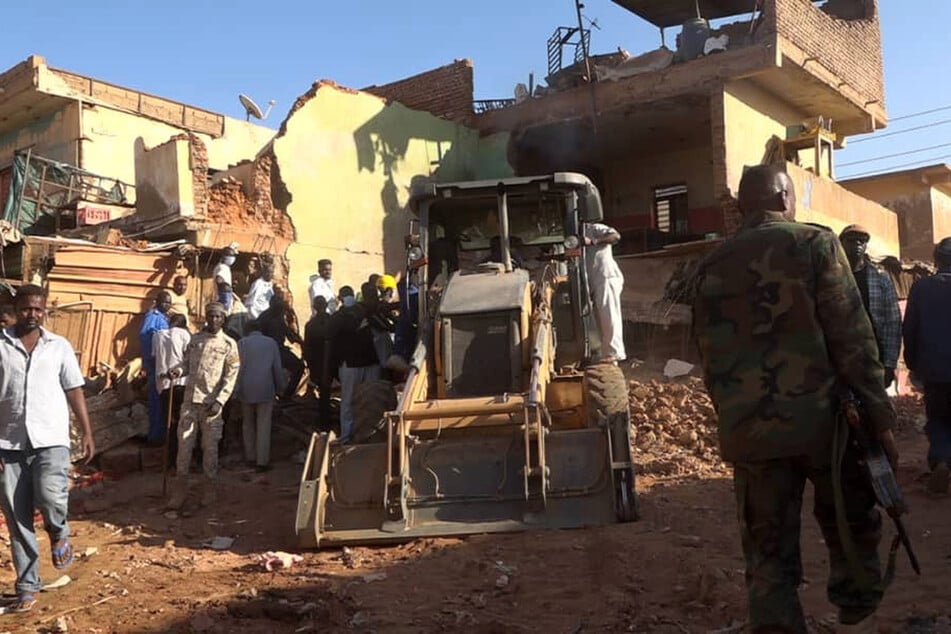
895 155
874 136
886 170
919 114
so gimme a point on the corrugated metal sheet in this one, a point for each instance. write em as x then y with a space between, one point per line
98 294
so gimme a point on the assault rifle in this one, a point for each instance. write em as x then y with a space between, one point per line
881 476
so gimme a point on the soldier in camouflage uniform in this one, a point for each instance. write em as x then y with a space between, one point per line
211 368
779 323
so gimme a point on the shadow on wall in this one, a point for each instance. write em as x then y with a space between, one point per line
456 153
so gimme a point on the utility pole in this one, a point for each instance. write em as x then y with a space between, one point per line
587 67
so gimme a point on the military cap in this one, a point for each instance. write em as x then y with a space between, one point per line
859 229
216 307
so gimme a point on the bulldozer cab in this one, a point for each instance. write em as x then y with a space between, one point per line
532 224
503 422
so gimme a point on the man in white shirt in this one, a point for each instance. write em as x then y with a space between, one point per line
40 381
322 285
259 297
605 281
222 276
168 349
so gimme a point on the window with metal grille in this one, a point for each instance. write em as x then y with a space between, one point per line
670 209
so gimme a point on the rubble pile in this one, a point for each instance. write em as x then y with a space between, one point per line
911 412
674 428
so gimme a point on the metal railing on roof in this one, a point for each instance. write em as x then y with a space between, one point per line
486 105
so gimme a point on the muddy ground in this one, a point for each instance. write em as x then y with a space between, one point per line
677 570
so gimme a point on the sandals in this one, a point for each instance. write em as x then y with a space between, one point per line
63 555
23 603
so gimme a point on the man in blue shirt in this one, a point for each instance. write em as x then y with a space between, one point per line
156 319
928 356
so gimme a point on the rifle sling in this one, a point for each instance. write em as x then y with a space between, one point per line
840 443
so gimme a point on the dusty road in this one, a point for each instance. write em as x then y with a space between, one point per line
678 570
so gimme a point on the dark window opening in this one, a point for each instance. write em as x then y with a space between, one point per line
670 210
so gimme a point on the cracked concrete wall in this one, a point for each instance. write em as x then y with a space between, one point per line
346 161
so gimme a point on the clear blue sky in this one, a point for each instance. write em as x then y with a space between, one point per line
205 52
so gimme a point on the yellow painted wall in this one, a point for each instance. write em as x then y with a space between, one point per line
630 183
112 135
241 140
941 216
52 136
751 118
348 160
910 197
825 202
163 180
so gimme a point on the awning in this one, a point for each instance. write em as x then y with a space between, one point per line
664 13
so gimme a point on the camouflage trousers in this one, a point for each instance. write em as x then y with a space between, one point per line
195 419
769 498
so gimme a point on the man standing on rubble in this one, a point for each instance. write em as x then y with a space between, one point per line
181 305
878 297
40 381
276 323
222 276
156 319
261 378
262 290
606 282
351 340
210 368
322 284
316 352
928 356
168 349
780 325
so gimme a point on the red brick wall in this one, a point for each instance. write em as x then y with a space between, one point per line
445 92
850 48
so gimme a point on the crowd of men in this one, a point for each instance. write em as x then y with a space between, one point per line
244 350
790 320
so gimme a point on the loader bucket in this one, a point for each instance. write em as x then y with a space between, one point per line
458 484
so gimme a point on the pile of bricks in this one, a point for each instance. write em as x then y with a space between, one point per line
674 428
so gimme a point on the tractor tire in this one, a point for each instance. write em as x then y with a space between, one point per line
606 395
371 400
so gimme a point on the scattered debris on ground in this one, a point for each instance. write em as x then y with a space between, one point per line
674 428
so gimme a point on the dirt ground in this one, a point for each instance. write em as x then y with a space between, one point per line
677 570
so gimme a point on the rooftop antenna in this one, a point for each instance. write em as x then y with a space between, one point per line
579 6
251 109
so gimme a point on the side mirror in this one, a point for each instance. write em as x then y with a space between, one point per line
589 203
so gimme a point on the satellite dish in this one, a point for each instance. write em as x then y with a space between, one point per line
252 110
521 93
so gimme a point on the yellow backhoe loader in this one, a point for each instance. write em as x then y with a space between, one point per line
506 420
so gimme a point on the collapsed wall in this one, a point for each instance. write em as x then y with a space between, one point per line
344 165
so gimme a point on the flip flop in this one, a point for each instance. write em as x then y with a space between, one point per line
62 556
23 603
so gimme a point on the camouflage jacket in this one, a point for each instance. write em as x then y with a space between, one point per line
778 321
211 368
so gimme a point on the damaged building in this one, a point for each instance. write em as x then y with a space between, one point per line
665 134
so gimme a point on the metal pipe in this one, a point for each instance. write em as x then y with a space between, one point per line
504 228
587 68
70 305
537 355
